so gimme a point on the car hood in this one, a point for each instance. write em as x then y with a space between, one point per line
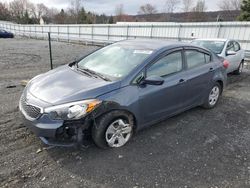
64 85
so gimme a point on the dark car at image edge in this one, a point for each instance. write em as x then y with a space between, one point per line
6 34
119 89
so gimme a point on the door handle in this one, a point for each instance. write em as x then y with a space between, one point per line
211 69
181 81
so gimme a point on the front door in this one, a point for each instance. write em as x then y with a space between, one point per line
159 101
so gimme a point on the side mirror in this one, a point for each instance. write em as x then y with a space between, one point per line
153 80
231 53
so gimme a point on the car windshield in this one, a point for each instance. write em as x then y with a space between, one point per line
214 46
114 61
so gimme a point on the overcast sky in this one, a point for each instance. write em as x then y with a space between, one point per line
108 6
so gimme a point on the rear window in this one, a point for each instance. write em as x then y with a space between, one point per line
195 58
214 46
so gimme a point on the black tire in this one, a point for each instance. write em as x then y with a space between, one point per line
102 123
207 104
239 70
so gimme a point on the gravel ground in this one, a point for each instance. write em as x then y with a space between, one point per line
199 148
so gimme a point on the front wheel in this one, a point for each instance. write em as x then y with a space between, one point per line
113 129
213 96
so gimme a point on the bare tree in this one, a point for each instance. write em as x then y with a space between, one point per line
187 5
171 5
75 8
200 6
4 12
147 9
17 8
42 10
198 14
230 4
31 9
37 11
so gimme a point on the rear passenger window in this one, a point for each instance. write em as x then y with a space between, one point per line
169 64
196 58
207 58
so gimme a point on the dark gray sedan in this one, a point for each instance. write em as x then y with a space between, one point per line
120 89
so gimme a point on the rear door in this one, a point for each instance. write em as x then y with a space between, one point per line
200 71
160 101
239 54
232 59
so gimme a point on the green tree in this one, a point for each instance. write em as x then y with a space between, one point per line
111 20
82 17
4 12
245 11
26 18
61 17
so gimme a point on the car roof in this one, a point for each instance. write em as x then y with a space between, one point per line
152 44
212 39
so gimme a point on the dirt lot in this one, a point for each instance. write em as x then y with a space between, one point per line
199 148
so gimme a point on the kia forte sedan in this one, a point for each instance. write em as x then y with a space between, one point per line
228 49
120 89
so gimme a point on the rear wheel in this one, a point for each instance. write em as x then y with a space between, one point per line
213 96
240 68
113 129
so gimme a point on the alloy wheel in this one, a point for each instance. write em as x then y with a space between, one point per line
214 95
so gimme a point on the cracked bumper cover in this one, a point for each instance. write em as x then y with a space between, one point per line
44 126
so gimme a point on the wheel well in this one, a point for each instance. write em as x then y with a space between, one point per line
221 84
126 111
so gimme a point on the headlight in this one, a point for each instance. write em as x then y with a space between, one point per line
72 111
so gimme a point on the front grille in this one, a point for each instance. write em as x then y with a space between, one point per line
30 110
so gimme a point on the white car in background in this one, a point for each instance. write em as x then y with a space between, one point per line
226 48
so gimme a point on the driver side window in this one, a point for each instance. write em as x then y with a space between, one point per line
167 65
230 46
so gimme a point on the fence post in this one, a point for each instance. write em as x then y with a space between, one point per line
127 31
219 28
30 32
108 32
50 53
35 31
179 33
151 31
92 34
58 32
79 29
68 32
42 33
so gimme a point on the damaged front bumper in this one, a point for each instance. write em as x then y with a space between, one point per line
56 132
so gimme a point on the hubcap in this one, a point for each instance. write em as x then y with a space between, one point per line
214 95
118 133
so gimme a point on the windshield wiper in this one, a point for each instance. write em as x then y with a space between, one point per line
82 70
95 73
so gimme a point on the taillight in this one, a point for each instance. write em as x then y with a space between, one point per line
225 64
